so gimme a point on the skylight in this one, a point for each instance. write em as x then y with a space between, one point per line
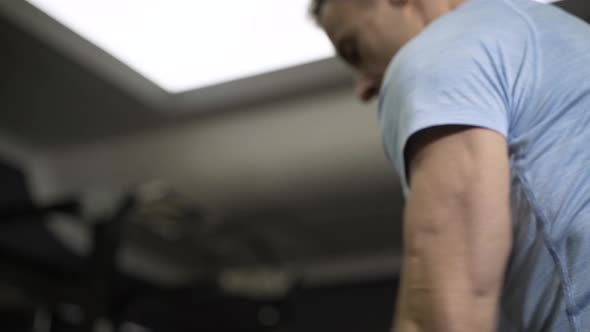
187 44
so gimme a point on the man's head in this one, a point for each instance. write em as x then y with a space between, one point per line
368 33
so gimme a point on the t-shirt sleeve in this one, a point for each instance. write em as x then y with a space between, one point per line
462 84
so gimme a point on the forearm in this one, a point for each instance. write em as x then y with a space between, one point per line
454 259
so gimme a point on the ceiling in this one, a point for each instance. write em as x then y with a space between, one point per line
579 8
60 89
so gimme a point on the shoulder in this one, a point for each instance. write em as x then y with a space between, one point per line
481 32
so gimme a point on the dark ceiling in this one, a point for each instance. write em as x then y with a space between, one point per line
49 99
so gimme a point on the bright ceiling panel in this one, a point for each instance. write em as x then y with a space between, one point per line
187 44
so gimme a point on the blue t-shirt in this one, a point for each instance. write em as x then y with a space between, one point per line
521 69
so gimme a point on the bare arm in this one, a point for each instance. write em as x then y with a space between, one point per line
457 231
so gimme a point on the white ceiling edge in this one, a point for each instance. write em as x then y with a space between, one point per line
184 45
323 74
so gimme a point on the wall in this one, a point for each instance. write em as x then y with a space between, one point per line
320 154
275 153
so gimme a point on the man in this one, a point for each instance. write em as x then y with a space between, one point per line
485 112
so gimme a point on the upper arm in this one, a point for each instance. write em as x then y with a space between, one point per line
458 156
459 200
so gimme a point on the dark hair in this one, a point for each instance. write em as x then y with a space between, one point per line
315 9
